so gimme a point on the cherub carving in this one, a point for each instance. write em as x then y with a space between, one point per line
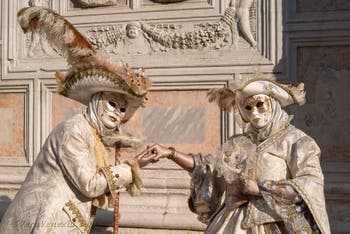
141 37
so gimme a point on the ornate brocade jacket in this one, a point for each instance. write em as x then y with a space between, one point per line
289 156
58 193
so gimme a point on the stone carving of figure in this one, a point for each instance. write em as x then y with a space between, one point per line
135 41
243 21
267 180
142 38
212 35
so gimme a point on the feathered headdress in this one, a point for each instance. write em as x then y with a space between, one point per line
91 71
227 98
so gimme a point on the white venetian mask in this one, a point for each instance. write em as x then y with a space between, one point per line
257 110
111 111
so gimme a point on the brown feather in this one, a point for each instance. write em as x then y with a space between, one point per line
60 78
61 35
223 97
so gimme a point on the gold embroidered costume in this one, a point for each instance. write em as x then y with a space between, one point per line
281 158
71 176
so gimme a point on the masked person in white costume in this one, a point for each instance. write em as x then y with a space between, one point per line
266 180
71 175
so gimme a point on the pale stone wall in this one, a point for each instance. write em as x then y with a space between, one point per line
300 40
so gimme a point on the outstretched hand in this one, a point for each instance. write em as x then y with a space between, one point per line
152 154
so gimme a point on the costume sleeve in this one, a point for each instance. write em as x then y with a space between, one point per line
206 189
299 201
125 174
77 164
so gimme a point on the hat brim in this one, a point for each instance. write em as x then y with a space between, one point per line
284 94
83 94
267 87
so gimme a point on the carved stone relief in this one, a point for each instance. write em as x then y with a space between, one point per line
95 3
143 38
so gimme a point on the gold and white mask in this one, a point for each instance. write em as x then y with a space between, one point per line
257 110
112 110
106 111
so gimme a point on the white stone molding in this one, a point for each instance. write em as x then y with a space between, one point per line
47 87
266 55
212 35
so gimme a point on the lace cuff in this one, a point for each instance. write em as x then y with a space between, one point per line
135 187
206 189
117 176
287 203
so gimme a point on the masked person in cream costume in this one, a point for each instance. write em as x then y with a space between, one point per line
266 180
71 175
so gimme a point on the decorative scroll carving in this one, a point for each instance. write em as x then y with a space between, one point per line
141 38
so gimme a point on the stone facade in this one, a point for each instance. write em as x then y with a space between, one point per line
186 47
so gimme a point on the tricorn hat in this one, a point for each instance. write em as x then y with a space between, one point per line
91 71
285 94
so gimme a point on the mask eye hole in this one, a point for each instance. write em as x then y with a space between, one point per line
248 107
112 104
259 104
122 109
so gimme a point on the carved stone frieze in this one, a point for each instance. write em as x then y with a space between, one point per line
143 38
130 39
95 3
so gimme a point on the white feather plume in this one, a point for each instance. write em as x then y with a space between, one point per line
61 35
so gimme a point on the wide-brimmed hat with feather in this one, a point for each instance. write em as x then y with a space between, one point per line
91 71
285 94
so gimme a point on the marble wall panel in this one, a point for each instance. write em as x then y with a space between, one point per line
326 116
322 5
184 119
12 125
174 125
63 108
